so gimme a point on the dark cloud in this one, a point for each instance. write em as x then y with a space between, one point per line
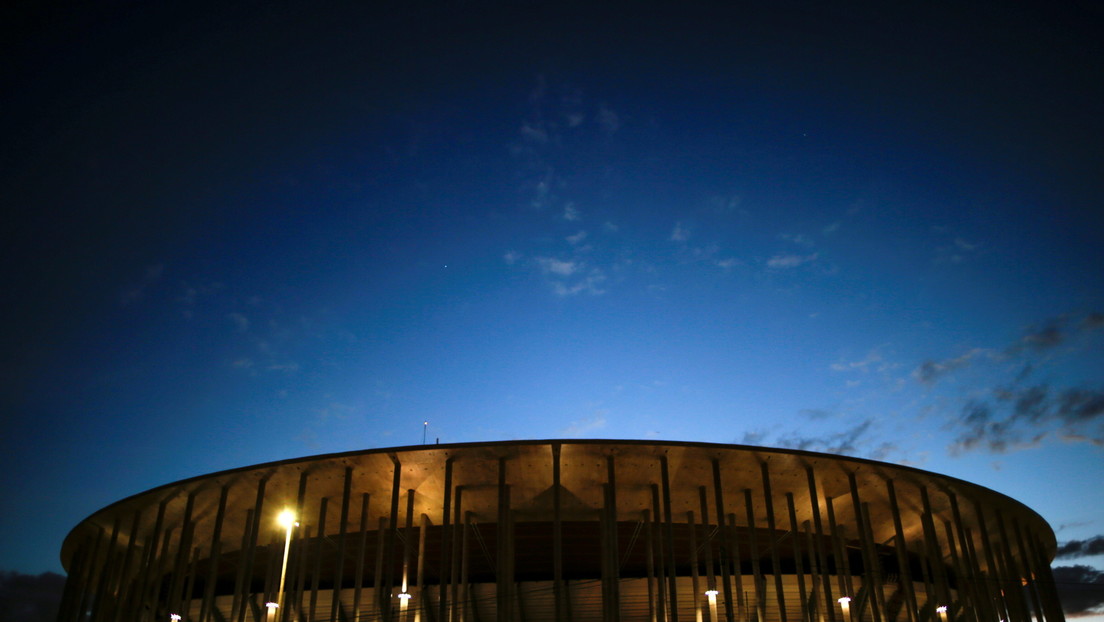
1081 548
1015 417
1036 339
849 442
30 598
1080 588
930 371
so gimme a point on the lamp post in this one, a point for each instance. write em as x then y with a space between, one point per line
286 519
845 604
942 611
272 607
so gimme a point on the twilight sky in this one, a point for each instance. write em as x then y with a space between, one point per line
258 232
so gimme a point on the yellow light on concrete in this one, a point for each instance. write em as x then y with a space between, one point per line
404 596
711 593
174 617
272 605
941 609
844 600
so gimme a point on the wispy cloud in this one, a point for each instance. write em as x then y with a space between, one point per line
571 213
577 238
680 233
558 267
511 257
587 425
797 238
929 371
781 262
591 283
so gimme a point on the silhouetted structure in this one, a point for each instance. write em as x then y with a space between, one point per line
565 531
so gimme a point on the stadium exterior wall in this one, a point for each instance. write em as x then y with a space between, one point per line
564 531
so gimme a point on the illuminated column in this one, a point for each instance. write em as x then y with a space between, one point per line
845 607
798 563
339 570
216 551
695 583
557 538
826 580
669 538
358 580
318 548
445 560
776 567
718 493
753 552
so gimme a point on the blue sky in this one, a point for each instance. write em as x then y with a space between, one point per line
264 232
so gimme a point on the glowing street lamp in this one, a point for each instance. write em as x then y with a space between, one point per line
845 604
175 617
286 519
712 594
942 611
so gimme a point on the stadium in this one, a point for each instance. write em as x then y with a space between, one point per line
564 531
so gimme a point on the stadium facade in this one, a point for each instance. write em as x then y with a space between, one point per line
564 531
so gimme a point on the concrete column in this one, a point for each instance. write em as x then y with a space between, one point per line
302 557
316 574
557 538
1028 567
661 574
459 538
339 569
504 548
695 583
250 555
942 595
240 585
125 582
978 589
871 564
710 574
732 543
612 547
381 595
423 595
818 528
385 596
843 565
669 539
726 584
87 592
799 565
776 566
993 573
216 552
753 552
408 542
103 584
902 552
465 598
653 615
445 557
362 551
964 595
